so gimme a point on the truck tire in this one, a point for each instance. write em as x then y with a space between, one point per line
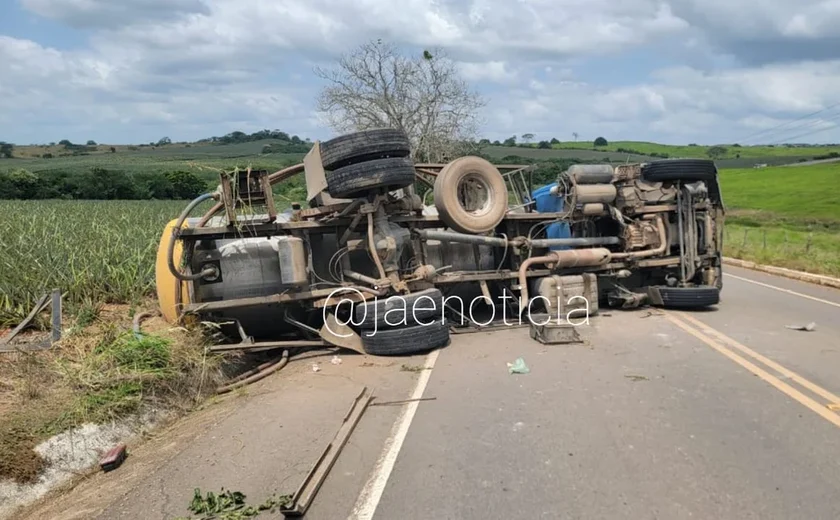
679 170
377 143
401 341
357 179
471 195
684 297
370 314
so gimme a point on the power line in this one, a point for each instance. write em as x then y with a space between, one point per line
818 130
754 134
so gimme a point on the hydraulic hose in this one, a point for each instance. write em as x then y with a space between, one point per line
171 249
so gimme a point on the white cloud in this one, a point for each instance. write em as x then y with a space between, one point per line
208 66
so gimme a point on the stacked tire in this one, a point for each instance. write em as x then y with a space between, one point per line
358 163
403 324
679 170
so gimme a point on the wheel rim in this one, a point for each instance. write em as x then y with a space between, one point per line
475 195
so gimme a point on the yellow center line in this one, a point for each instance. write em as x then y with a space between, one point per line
780 385
769 362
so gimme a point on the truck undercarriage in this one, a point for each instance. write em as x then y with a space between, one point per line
370 265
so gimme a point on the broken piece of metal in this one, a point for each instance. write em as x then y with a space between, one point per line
312 483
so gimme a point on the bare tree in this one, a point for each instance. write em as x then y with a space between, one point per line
376 86
575 135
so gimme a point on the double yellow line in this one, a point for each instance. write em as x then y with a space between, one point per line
722 344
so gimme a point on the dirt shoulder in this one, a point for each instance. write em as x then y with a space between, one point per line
260 440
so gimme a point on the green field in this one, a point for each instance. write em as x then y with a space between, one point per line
799 196
785 216
94 251
732 151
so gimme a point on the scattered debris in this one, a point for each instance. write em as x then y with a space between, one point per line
335 360
413 368
404 401
554 333
518 367
113 458
316 367
652 313
809 327
230 505
635 378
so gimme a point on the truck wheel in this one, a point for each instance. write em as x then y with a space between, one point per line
401 309
679 170
684 297
363 146
399 341
471 195
357 179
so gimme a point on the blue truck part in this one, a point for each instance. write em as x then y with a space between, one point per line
548 203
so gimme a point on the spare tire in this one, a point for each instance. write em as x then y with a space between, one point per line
679 170
471 195
401 341
684 297
359 178
423 306
363 146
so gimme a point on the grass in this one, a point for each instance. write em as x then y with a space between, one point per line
789 217
810 251
95 375
802 196
747 152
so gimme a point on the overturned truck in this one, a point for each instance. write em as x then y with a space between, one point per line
388 257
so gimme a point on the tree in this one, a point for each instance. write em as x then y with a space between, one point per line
6 149
554 140
716 151
113 150
65 142
91 142
163 141
575 135
376 85
497 143
600 142
544 145
510 141
527 138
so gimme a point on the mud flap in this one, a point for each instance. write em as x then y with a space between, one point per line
340 335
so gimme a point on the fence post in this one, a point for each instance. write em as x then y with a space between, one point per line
765 239
808 243
745 238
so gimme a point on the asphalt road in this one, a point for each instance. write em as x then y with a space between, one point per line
717 414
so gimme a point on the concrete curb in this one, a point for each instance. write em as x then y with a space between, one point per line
787 273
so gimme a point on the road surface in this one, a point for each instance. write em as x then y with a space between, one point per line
718 414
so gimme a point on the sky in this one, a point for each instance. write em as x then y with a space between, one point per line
677 72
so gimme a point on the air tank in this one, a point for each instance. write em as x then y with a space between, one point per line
591 173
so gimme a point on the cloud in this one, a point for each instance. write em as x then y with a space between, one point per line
681 104
204 67
84 14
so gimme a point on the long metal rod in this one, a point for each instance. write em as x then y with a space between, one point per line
451 236
302 498
587 241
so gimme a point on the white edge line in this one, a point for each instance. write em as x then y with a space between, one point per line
372 492
784 290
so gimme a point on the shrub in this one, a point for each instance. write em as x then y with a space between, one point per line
600 141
